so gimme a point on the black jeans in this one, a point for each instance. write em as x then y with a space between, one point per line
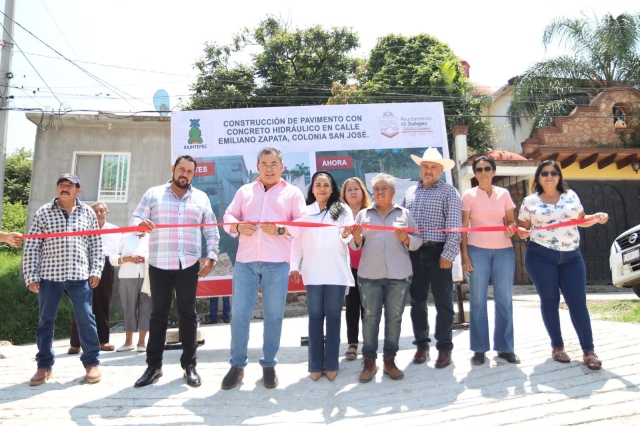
427 272
354 311
101 305
163 283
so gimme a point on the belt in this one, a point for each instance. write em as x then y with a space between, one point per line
431 243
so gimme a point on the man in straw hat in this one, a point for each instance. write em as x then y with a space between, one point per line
434 204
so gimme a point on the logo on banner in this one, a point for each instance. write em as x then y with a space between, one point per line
335 162
195 135
388 125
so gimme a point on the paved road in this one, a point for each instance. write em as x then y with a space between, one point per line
538 391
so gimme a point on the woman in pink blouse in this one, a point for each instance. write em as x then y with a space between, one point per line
489 257
355 195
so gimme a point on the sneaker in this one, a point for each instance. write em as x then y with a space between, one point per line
93 374
41 376
269 377
232 378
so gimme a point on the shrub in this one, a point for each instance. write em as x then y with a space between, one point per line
19 306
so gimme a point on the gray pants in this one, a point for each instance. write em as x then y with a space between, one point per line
137 305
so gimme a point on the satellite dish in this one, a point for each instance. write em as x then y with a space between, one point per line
161 102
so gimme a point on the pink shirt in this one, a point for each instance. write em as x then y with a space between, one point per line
283 202
487 211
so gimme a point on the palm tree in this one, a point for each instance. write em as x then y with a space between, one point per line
603 53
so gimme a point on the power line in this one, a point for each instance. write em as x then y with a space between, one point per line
34 68
59 29
104 83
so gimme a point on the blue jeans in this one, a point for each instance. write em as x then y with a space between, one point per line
427 273
497 266
373 295
273 278
553 271
213 307
324 301
81 296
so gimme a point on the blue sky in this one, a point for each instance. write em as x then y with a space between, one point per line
138 46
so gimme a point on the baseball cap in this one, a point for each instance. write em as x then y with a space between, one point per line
70 177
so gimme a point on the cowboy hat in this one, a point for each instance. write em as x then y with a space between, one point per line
432 155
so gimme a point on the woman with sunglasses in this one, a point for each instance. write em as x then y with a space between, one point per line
356 197
489 256
325 271
553 258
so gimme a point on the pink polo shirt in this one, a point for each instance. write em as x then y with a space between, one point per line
283 202
487 211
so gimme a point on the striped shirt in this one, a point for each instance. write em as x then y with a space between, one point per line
62 259
176 248
436 207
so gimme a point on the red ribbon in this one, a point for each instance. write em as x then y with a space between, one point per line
298 224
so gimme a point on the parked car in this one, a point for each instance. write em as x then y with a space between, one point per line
624 260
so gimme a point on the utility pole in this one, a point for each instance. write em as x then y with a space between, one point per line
5 77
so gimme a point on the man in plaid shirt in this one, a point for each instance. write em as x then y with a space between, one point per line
174 265
69 265
434 204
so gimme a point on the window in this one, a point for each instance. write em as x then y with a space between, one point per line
103 176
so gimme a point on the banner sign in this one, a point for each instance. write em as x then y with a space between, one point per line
347 140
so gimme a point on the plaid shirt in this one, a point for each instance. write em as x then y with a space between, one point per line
436 207
62 259
173 248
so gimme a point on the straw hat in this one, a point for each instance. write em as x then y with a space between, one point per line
432 155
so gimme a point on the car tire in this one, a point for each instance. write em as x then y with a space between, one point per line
636 290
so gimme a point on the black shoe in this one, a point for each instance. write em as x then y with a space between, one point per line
232 378
148 377
269 377
478 358
510 357
193 378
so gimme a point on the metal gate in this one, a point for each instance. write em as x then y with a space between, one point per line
621 200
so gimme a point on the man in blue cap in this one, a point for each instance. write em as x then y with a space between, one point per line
64 265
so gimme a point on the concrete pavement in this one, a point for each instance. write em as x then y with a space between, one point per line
538 391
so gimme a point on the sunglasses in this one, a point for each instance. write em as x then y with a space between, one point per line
485 168
553 174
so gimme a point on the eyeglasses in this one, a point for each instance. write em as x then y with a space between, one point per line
485 169
552 173
271 166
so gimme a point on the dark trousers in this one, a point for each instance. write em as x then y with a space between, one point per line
354 311
427 273
101 304
163 283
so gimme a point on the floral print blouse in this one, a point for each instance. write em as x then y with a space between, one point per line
540 214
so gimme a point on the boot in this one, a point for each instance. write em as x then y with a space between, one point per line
391 369
369 369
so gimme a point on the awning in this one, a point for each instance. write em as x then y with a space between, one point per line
603 157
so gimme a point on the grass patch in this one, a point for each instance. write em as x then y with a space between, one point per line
615 310
20 306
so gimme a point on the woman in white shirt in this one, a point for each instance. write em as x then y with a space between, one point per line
326 271
553 258
131 253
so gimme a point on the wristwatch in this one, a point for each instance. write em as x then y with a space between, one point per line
281 230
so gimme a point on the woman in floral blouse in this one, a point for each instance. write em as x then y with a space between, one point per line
553 258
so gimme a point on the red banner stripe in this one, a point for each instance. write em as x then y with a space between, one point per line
297 224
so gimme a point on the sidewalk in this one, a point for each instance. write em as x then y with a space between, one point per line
537 391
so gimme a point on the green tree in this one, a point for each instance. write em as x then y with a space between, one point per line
289 66
420 68
601 53
17 176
